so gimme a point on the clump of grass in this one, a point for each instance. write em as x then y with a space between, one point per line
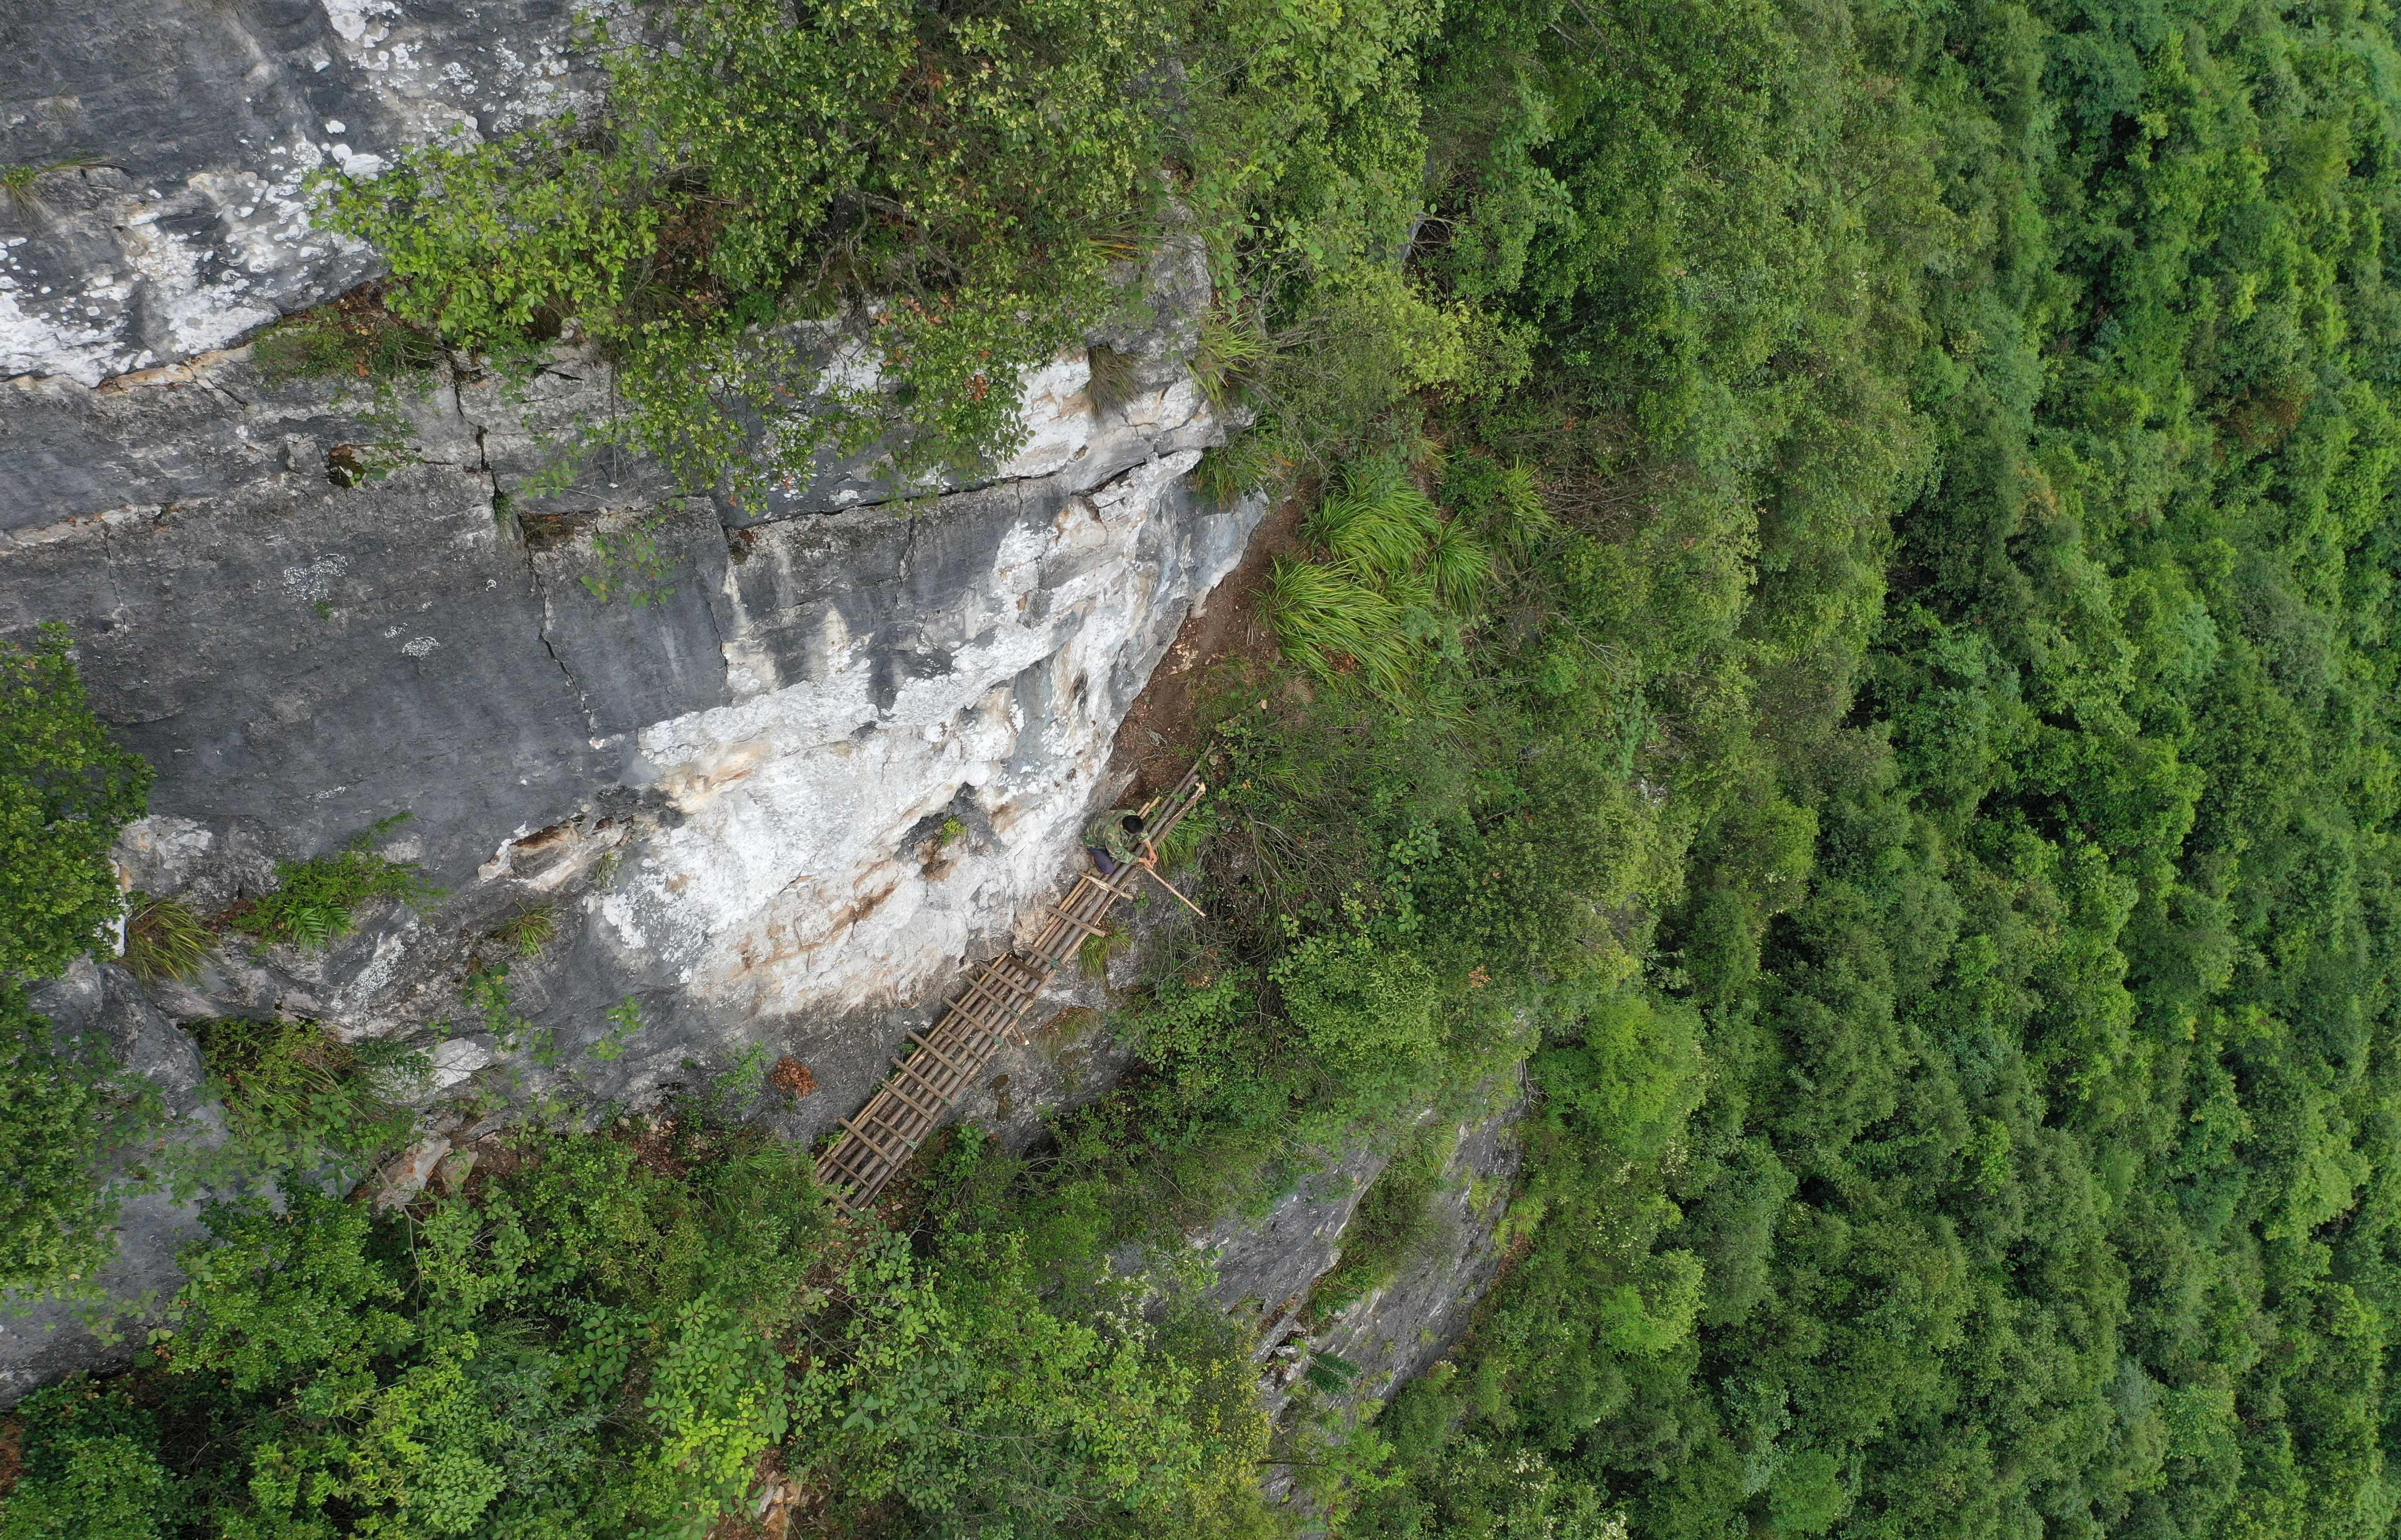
1232 347
297 1098
21 185
164 939
353 338
1377 521
1333 625
1245 464
1184 842
316 902
1092 958
1112 383
1391 587
1458 565
527 934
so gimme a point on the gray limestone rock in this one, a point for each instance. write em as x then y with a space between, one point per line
174 139
1267 1267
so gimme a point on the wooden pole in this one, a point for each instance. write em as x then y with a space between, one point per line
1179 897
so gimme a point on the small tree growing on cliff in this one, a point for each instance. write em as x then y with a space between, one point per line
64 792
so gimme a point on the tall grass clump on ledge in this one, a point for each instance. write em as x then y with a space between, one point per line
164 939
1391 583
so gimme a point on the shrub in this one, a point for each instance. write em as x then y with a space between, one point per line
1363 1009
58 1117
1630 1075
883 212
1017 1413
590 1348
299 1098
1377 522
89 1472
65 790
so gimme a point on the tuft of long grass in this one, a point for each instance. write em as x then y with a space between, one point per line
1112 384
1250 461
1231 348
528 932
1377 521
1459 567
1334 625
1093 957
1184 842
164 939
354 337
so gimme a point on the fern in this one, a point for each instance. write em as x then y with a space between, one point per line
1330 1372
297 1098
316 902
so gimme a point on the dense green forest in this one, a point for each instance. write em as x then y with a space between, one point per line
1843 624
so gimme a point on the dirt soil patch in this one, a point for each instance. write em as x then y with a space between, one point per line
1163 731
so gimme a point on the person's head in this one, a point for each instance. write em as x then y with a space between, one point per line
1130 822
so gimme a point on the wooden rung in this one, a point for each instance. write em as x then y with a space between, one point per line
893 1087
930 1078
1070 917
953 1032
1009 973
944 1089
830 1170
993 980
929 1048
972 1053
978 989
960 1057
894 1143
897 1114
961 1028
1029 978
869 1140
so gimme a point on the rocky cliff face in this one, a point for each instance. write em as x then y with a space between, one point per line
774 779
775 786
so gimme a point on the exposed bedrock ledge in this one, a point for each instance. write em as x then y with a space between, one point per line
770 727
1267 1267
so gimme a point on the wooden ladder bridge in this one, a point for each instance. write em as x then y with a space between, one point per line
873 1146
